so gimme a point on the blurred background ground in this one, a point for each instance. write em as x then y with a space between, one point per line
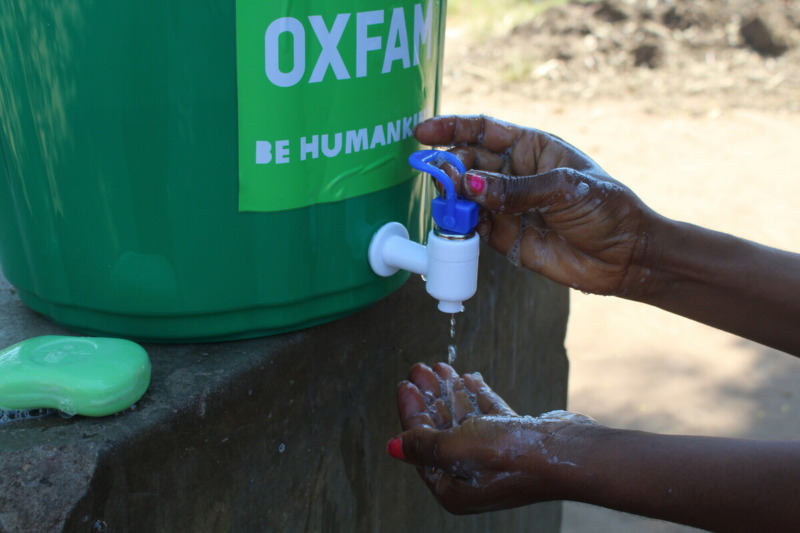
696 106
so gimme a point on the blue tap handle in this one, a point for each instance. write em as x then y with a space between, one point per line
451 213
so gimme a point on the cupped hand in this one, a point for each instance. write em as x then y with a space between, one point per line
547 205
471 449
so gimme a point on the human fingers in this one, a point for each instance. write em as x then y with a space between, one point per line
471 157
462 404
437 397
479 158
516 195
485 225
489 402
416 446
453 410
491 133
445 373
460 401
485 143
466 471
425 379
412 407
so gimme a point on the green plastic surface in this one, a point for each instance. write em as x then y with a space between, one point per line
351 78
119 180
76 375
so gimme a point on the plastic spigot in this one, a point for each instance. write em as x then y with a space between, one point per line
452 214
450 265
449 261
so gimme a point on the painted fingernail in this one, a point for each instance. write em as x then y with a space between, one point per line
476 184
395 448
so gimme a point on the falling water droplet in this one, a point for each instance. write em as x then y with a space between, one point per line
451 354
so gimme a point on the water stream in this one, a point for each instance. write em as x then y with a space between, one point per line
451 348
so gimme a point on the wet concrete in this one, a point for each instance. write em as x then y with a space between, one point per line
285 433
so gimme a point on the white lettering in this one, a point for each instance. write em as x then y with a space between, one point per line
394 131
272 50
281 152
408 126
263 152
309 148
286 44
365 43
337 145
332 144
356 140
330 55
397 42
378 138
423 30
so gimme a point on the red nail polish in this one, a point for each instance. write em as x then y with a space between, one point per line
395 448
476 183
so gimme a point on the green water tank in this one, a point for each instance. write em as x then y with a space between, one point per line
197 170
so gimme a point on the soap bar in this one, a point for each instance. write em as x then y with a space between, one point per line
76 375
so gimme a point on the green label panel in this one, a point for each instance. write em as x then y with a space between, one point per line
329 93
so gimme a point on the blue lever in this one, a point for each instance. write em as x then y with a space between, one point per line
451 213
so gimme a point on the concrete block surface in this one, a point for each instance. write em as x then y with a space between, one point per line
284 433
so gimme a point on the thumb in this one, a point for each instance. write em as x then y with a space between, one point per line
518 194
416 446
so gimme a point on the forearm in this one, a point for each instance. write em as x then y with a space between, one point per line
723 281
711 483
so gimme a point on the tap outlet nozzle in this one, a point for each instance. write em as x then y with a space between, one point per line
449 262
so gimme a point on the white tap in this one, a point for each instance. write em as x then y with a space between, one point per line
449 261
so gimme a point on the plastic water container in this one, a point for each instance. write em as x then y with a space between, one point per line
178 170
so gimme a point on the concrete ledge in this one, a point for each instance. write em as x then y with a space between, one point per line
284 433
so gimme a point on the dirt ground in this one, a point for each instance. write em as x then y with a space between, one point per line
705 133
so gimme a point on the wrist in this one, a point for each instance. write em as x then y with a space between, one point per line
669 253
564 454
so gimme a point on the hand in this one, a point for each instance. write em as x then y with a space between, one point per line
547 205
471 449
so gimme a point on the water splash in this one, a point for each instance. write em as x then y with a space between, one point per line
451 354
448 390
447 395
